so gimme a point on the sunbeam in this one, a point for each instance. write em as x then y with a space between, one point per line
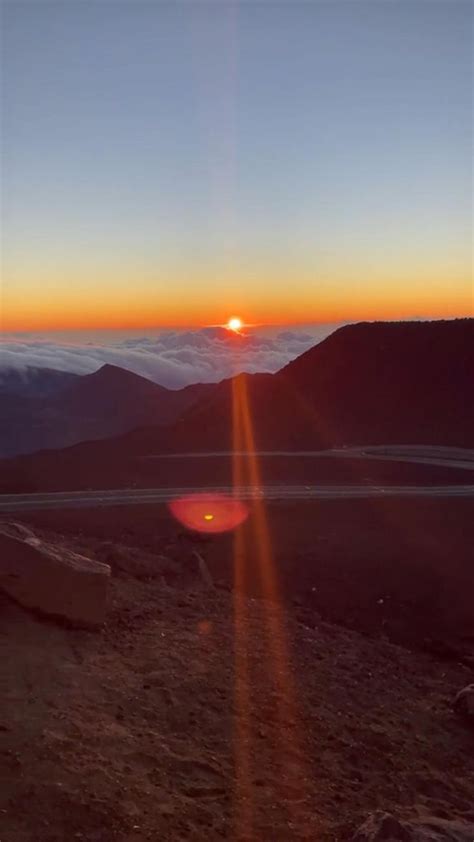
243 807
288 751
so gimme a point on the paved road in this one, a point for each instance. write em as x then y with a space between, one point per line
139 496
448 457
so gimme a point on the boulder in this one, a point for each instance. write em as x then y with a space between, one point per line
51 579
384 827
464 703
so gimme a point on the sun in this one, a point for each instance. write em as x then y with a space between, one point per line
234 324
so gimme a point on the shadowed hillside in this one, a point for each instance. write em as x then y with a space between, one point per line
54 412
33 382
380 383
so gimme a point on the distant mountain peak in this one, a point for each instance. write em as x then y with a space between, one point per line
109 372
111 368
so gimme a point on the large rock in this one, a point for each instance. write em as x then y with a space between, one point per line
51 579
383 827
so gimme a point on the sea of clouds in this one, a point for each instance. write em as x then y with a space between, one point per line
172 358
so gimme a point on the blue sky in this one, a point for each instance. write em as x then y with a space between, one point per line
311 159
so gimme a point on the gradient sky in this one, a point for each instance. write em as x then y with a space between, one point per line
177 163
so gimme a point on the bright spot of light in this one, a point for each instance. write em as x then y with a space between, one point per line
194 512
235 324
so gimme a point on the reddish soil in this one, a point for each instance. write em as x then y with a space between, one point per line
174 724
200 714
396 567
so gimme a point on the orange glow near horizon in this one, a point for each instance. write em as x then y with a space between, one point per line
30 319
277 296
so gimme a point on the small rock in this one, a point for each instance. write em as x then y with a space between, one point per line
138 564
464 703
381 826
203 570
384 827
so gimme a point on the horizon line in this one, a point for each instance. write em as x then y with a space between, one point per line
203 326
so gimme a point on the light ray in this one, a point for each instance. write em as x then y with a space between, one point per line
243 807
288 753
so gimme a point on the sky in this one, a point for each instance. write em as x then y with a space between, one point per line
174 164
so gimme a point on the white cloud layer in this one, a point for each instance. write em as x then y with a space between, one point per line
173 359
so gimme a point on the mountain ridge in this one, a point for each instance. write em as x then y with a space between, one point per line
105 403
366 384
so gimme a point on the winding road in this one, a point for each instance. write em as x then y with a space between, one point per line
447 456
140 496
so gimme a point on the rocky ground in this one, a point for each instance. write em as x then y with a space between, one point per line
198 714
389 567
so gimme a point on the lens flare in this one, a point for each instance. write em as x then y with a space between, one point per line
209 512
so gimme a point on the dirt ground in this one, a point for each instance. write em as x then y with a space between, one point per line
397 568
198 714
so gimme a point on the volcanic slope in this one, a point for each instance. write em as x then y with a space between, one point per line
184 719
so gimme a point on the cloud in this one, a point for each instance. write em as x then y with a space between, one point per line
172 358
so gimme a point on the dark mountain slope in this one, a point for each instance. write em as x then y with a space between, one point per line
406 382
33 382
401 383
108 392
106 403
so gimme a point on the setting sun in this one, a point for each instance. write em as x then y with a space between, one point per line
234 324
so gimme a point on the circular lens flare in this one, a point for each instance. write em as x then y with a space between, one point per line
209 512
